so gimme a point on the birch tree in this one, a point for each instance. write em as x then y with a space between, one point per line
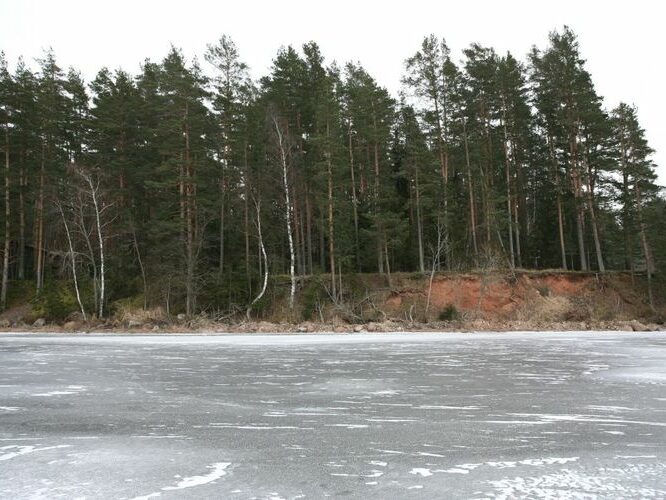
283 150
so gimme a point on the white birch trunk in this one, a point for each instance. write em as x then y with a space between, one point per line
73 259
288 212
100 239
265 259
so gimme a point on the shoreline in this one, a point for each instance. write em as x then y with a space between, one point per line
267 328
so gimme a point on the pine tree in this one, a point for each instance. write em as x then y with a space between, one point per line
232 90
6 118
428 77
637 187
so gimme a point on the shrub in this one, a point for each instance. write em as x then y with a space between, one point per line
449 313
310 299
55 301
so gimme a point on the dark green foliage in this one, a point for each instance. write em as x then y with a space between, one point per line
449 313
311 298
55 301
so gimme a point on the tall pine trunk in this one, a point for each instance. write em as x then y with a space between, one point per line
5 250
647 254
21 209
39 247
189 221
558 200
419 226
220 269
507 175
354 201
470 189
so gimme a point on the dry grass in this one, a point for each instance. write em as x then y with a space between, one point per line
545 309
126 313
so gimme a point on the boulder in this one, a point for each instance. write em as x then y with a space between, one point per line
39 322
5 323
637 326
71 325
133 323
359 329
181 317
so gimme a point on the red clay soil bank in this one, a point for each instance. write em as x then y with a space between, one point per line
556 296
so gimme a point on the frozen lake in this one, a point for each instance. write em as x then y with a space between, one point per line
510 415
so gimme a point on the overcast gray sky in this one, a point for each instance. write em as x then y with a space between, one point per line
623 42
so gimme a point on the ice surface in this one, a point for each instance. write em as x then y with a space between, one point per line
479 415
218 470
13 451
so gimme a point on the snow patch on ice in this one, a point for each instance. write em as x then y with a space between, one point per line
70 389
421 472
570 485
426 454
349 426
17 450
449 407
258 427
217 471
455 470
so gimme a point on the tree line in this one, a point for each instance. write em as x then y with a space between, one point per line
191 185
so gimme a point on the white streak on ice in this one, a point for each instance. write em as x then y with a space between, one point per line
421 472
455 470
218 470
24 450
71 389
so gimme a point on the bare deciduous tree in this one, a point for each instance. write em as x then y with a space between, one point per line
283 152
257 205
92 189
72 256
436 253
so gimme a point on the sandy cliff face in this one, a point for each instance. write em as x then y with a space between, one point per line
533 296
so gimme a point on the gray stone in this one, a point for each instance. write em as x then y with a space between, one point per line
637 326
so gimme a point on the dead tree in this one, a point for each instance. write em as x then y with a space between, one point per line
436 252
257 205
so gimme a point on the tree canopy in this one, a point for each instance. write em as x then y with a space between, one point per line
188 184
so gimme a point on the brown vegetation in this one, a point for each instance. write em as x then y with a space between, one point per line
473 301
